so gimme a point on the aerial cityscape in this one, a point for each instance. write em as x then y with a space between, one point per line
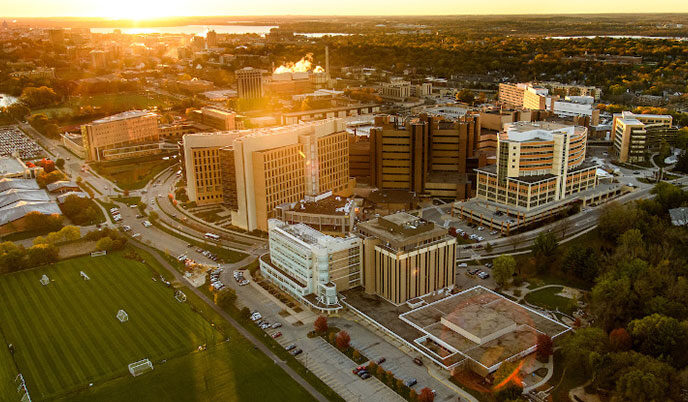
343 202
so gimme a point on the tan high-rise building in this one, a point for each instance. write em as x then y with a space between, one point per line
537 163
405 257
254 171
211 39
204 166
250 83
636 135
511 94
426 155
121 131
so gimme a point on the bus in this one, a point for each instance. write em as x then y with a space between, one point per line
212 236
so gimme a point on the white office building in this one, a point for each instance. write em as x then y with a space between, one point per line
310 265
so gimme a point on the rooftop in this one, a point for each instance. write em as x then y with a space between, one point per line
401 229
10 165
129 114
481 325
332 205
525 131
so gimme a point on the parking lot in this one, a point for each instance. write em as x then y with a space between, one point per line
441 216
12 139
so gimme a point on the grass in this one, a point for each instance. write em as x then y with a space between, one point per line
561 383
8 372
548 298
278 350
132 174
67 336
112 103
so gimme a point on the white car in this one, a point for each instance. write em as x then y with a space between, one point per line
126 228
147 224
136 235
243 283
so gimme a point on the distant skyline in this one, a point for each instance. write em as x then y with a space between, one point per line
148 9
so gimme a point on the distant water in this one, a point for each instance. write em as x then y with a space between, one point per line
193 29
202 29
678 38
6 100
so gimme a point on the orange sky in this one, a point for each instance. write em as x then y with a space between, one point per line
144 9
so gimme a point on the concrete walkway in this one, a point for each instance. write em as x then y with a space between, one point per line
550 370
257 343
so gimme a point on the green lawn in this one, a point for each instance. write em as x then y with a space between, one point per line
67 336
8 372
548 298
132 174
112 103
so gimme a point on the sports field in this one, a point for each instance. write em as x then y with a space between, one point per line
67 336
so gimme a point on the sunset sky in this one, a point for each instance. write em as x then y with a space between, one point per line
143 9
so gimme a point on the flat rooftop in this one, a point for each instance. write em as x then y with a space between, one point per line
481 313
9 165
129 114
526 131
401 229
332 205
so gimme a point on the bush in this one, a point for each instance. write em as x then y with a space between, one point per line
36 221
41 254
81 211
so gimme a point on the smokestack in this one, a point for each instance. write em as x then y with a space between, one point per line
327 60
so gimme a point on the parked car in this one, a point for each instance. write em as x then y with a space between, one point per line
410 382
296 352
381 360
276 335
418 361
290 347
483 275
276 325
365 376
463 265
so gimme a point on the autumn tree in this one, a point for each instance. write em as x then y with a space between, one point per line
426 395
544 348
620 340
343 340
320 325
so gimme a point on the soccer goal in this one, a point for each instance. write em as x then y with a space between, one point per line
45 280
180 296
122 316
140 367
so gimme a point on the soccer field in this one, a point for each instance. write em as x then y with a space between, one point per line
66 336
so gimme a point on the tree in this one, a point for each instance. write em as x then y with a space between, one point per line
11 257
465 95
414 397
41 254
104 244
613 301
630 245
356 355
426 395
581 263
503 270
60 163
545 244
343 340
545 347
320 325
39 97
245 313
510 392
616 218
663 337
331 337
37 221
620 340
70 233
582 345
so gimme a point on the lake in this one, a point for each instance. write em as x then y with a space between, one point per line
6 100
202 29
620 37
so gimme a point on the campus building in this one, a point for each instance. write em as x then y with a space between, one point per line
250 83
427 155
540 173
122 135
311 266
253 171
397 90
537 163
637 135
405 257
216 117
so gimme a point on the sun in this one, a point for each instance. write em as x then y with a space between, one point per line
138 10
